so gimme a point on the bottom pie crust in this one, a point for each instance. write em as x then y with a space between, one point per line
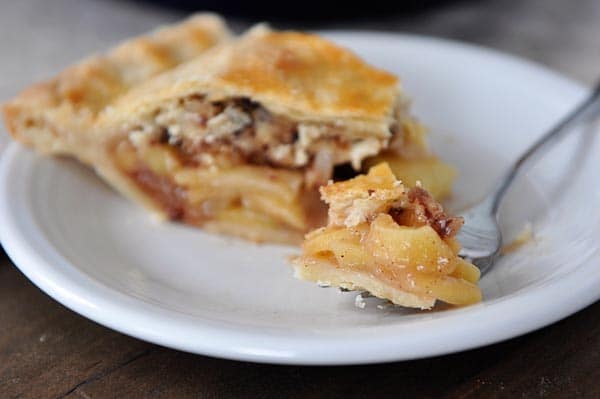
326 274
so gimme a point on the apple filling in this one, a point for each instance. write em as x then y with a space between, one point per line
397 243
217 163
242 131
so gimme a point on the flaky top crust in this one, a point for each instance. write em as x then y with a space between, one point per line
302 76
52 114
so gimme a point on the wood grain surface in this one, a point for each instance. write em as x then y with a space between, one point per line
47 351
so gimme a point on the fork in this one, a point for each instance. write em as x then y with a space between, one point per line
480 235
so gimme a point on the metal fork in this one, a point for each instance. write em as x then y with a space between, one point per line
480 235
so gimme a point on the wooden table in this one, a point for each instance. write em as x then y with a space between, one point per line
47 351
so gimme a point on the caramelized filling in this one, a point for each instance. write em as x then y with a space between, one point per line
261 196
201 160
240 131
422 210
170 197
387 235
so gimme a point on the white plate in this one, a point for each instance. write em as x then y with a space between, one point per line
176 286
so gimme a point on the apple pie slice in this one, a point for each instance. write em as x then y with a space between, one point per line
394 242
236 139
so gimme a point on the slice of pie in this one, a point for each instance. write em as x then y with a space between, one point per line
236 139
394 242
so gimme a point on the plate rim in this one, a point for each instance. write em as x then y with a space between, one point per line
136 318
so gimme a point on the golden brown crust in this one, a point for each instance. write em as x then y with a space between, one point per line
357 200
302 76
58 115
93 105
327 274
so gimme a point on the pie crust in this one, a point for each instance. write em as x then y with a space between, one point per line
234 135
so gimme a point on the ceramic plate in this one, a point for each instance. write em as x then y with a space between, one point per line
173 285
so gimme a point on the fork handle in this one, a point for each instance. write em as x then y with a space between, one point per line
587 111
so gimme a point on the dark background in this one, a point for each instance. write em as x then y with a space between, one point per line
306 10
